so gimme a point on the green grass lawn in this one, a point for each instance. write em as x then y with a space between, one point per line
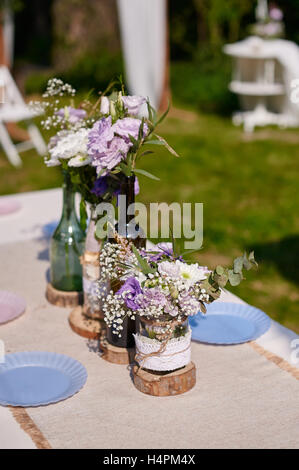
249 188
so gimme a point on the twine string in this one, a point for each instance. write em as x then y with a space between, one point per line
140 358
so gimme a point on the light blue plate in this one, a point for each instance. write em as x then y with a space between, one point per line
39 378
229 323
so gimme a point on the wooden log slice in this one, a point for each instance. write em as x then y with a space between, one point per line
85 326
165 384
116 355
63 298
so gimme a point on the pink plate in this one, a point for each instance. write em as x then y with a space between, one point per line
11 306
9 206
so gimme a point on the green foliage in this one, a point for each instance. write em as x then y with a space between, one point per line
88 70
143 264
221 276
203 84
151 334
83 214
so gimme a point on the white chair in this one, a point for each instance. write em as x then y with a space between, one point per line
14 109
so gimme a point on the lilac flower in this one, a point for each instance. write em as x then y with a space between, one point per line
133 103
129 126
166 268
117 150
100 134
152 297
131 290
105 149
73 115
171 309
165 249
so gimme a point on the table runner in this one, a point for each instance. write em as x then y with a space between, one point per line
241 399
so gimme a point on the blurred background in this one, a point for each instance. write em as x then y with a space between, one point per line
248 182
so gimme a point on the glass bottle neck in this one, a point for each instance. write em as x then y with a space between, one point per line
68 196
127 189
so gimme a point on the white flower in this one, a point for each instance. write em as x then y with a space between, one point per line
191 273
105 105
71 145
52 162
79 160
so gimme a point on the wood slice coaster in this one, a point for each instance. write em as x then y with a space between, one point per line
165 384
116 355
84 326
63 298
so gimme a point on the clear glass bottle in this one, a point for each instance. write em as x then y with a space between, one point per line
126 339
91 271
67 244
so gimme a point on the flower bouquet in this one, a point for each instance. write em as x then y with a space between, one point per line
97 143
161 290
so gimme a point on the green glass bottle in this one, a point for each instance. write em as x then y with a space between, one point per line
67 244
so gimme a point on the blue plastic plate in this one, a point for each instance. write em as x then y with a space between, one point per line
39 378
229 323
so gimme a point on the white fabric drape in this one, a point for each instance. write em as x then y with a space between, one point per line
8 33
143 34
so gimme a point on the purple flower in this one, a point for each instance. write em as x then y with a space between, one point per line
133 103
99 136
165 249
131 289
105 149
152 297
100 186
73 115
117 150
129 126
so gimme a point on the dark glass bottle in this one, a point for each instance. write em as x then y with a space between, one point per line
136 235
67 244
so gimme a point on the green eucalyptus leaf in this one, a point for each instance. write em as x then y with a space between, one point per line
252 259
234 278
219 270
238 264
